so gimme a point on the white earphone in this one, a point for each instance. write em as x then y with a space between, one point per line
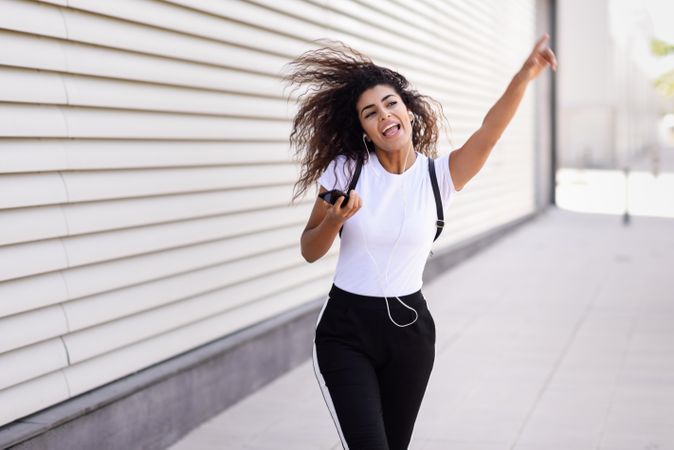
402 186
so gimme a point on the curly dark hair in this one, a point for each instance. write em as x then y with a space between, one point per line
327 125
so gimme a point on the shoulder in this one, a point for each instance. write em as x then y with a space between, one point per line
341 164
444 176
436 162
337 173
340 161
440 159
442 165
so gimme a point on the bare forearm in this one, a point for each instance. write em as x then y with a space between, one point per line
317 241
500 115
467 161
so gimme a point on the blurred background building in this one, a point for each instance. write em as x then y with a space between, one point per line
608 109
615 130
150 272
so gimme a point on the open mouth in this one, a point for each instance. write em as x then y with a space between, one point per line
391 130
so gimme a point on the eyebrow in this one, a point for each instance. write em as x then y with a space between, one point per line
383 99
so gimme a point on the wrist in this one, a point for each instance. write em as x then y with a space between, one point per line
331 221
522 76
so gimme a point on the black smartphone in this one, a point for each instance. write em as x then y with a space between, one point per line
332 196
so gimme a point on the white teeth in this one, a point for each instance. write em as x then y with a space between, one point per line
389 127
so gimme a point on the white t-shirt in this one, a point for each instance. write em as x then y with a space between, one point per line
377 224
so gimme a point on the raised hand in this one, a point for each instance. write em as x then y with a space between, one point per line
539 58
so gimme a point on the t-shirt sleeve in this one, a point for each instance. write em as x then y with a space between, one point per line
447 190
335 175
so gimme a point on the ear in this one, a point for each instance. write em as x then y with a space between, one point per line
365 137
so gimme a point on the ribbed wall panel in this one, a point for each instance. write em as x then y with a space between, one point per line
28 86
103 338
34 326
32 361
31 189
84 154
145 172
29 293
33 17
33 395
88 217
46 255
110 366
100 308
21 120
95 278
28 224
119 64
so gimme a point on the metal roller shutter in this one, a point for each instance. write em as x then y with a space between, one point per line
145 173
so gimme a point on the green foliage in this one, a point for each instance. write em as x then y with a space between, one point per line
661 48
665 82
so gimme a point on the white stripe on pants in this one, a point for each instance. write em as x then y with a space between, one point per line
321 383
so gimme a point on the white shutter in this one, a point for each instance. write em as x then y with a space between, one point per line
145 172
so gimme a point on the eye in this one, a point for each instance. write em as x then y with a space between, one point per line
393 103
369 114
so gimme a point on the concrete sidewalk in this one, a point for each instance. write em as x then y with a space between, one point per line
560 336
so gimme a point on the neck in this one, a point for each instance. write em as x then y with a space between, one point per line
396 161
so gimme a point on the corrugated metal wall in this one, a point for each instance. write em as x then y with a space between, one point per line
145 172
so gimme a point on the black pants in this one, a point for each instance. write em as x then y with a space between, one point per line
373 373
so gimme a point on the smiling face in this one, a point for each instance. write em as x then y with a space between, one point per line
384 118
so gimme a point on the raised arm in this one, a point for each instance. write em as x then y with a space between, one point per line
466 161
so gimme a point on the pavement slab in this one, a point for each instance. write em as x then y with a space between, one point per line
559 336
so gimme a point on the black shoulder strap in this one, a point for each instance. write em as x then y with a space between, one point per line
440 223
352 185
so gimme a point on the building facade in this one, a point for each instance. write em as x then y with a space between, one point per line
607 106
145 180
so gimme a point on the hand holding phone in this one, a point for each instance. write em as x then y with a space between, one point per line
332 196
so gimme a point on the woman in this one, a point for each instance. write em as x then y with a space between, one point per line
374 343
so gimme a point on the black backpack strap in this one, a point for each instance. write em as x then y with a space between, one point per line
352 185
440 223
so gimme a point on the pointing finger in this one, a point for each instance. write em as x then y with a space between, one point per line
550 58
537 45
541 42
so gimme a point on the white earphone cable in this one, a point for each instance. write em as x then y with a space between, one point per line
402 186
